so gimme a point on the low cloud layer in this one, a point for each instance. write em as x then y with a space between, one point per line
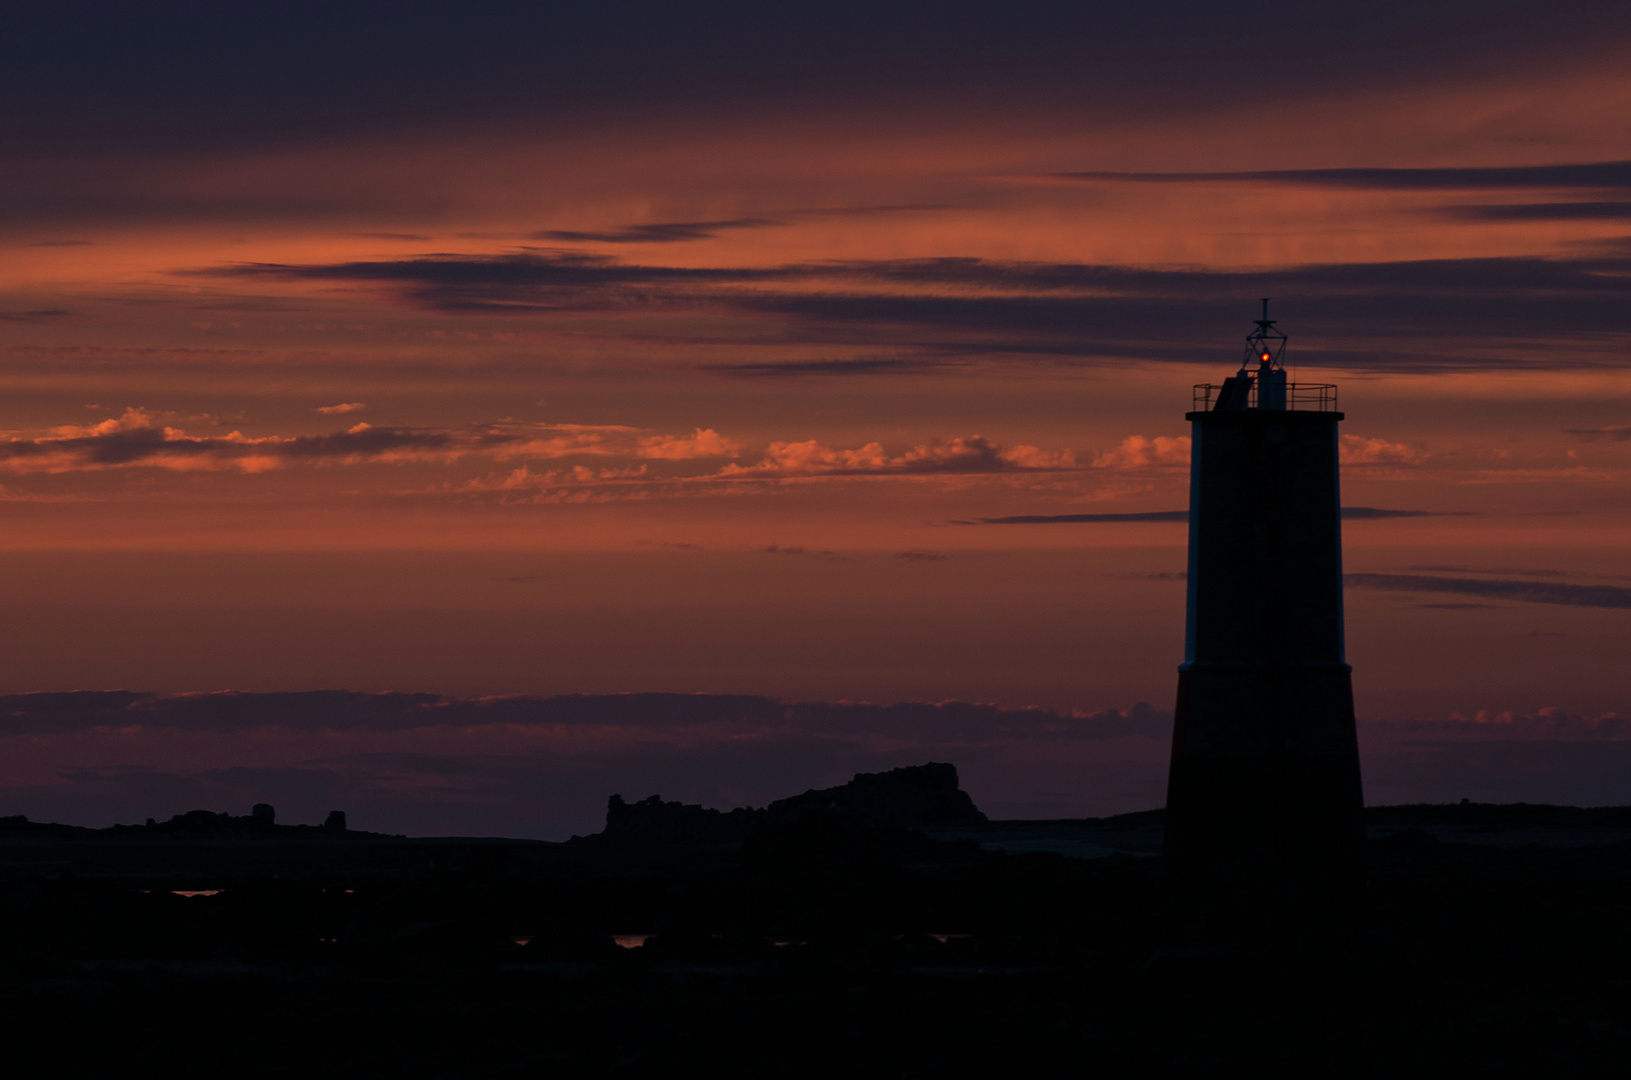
964 456
611 460
525 766
946 723
142 438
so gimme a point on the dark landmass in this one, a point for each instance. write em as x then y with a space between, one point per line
911 798
881 928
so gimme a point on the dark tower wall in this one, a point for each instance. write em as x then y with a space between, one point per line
1265 763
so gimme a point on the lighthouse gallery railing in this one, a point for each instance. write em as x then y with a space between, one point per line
1302 397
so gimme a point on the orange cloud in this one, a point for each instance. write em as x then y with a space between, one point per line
139 438
1138 452
1357 450
972 454
703 443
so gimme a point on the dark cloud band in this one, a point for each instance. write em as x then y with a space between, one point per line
1422 315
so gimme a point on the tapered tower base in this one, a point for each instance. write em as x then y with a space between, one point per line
1265 774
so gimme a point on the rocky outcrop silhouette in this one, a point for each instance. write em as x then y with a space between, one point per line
916 796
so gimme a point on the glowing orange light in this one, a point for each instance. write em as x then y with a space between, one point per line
1265 356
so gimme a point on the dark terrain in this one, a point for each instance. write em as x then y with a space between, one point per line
882 928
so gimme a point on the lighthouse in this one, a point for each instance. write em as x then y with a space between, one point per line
1264 776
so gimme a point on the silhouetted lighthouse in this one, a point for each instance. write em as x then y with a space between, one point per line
1265 765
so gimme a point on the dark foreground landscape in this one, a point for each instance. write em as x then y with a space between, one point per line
883 928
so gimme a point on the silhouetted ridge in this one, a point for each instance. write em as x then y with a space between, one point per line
19 825
652 821
916 796
907 798
1500 815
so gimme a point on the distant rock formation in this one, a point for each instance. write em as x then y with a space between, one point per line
207 821
907 798
916 796
670 824
260 822
262 818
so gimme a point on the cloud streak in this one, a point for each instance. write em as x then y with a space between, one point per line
1529 592
961 456
1349 513
942 723
520 282
1601 434
1550 211
1082 519
586 463
141 439
664 232
1595 175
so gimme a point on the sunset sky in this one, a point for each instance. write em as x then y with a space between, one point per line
537 349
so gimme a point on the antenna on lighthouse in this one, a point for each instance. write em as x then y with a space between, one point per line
1265 345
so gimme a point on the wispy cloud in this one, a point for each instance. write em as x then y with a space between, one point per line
1357 450
1542 211
139 438
1356 513
1550 722
1531 592
336 710
556 281
1518 571
954 456
1139 452
662 232
1590 174
824 554
1376 513
1601 434
1080 519
870 365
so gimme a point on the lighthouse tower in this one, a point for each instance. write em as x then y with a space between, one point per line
1265 764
